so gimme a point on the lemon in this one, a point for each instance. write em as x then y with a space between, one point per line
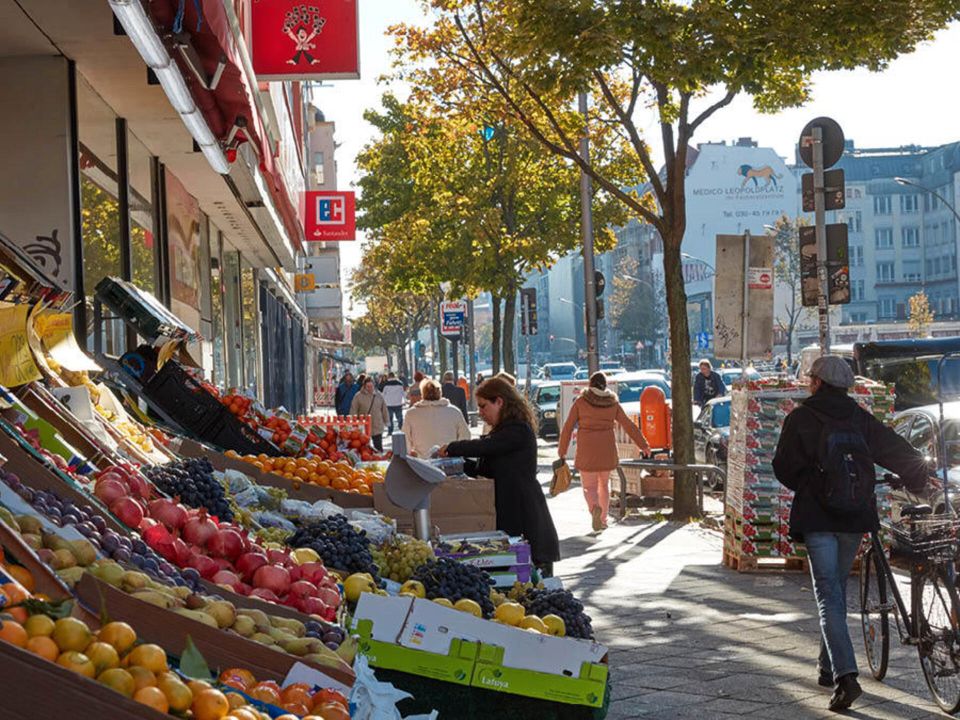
443 601
555 625
532 622
468 606
510 613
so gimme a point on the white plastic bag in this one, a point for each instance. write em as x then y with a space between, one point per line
375 700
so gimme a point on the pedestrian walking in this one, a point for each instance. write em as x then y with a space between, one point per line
433 422
479 379
826 454
508 455
344 393
393 394
456 395
370 402
708 384
595 414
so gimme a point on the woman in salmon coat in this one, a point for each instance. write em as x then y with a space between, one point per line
595 413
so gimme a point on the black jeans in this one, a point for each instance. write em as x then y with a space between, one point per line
395 412
377 441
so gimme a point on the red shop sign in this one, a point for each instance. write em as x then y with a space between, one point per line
329 216
305 39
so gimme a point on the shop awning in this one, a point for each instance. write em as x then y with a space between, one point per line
233 105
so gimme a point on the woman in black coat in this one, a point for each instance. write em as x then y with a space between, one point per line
508 455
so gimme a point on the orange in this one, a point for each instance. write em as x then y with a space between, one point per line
331 711
287 716
152 697
14 593
210 705
142 677
152 657
18 613
44 647
118 634
178 695
102 655
71 634
298 709
12 632
78 663
22 576
236 700
245 713
296 692
239 678
118 680
264 693
39 625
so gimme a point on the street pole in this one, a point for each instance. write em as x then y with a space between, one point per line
586 224
456 369
744 334
526 386
472 362
820 220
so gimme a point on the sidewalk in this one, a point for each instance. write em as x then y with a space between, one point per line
689 638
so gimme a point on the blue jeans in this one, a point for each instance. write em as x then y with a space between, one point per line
395 411
831 558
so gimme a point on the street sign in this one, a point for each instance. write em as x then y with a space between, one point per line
601 283
528 311
703 341
832 141
760 278
838 265
453 316
834 194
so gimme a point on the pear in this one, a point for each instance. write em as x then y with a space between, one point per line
244 626
154 598
196 602
54 542
291 625
35 542
71 576
133 580
280 635
84 552
198 616
298 646
348 650
259 617
263 639
63 559
223 612
110 572
29 524
7 518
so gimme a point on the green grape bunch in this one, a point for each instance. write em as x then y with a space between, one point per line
398 559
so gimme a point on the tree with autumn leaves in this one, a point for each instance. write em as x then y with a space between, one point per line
681 61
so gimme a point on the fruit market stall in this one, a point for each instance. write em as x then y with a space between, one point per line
756 505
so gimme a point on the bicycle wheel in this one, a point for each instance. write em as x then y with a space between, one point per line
939 645
874 613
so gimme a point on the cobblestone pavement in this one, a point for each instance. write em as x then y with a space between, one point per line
689 638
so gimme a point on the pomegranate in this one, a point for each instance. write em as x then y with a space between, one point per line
273 578
248 563
169 512
225 543
128 511
329 596
226 577
204 565
109 490
199 529
302 588
312 571
264 594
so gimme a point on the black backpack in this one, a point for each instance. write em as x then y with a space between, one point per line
847 475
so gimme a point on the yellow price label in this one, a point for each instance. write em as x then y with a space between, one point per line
17 366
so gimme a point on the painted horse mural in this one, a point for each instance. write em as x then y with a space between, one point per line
748 172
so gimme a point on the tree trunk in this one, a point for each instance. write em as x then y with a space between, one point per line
509 323
402 359
495 341
684 483
442 349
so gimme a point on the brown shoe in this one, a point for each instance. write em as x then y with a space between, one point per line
598 523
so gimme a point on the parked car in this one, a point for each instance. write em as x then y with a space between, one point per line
711 432
731 375
559 371
921 427
612 367
582 374
546 397
631 385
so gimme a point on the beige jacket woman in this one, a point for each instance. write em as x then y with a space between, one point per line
433 422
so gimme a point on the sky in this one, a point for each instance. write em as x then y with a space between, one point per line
913 102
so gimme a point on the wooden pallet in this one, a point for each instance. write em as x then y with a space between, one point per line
753 564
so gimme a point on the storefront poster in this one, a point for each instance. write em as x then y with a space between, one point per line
17 366
55 331
183 234
310 40
329 216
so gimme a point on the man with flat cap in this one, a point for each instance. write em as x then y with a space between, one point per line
826 454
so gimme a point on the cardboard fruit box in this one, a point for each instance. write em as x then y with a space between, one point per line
220 648
295 490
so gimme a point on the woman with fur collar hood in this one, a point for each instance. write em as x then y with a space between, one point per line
594 414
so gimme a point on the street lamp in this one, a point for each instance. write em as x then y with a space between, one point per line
904 181
571 302
688 256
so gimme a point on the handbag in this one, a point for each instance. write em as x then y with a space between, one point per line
561 477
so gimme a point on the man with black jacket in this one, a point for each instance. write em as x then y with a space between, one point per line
456 395
833 538
707 385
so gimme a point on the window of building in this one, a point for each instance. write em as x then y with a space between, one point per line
318 174
909 203
888 307
911 270
858 317
884 272
855 221
883 237
856 255
143 250
856 290
882 205
910 236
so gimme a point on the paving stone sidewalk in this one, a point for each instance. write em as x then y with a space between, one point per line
689 638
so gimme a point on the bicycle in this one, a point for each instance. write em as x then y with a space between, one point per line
933 620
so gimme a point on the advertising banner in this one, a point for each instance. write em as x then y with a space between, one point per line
17 366
329 216
313 40
183 233
453 316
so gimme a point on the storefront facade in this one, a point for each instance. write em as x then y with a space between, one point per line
119 163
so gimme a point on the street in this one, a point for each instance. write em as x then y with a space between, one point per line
690 638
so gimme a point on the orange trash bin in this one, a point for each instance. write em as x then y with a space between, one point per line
655 417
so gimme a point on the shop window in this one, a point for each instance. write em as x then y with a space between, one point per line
251 324
233 327
99 204
142 242
216 307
